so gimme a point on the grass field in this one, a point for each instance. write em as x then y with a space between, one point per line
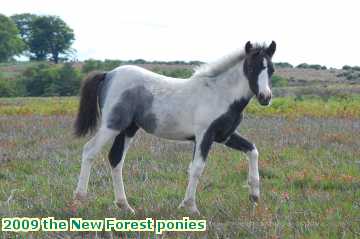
309 167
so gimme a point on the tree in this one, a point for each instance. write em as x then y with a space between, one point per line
50 35
44 35
23 22
67 83
10 42
51 80
91 64
37 79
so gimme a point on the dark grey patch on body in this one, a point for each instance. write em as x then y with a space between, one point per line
134 106
148 122
224 126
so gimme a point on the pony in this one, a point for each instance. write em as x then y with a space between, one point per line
207 108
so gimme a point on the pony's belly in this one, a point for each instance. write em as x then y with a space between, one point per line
174 132
174 135
174 125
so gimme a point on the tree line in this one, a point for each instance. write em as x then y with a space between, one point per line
39 37
48 79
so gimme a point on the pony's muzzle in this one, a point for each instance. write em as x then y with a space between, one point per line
264 99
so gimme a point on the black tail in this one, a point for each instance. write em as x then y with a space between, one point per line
88 113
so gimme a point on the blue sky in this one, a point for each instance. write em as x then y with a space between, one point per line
316 32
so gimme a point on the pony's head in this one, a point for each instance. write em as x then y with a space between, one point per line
258 69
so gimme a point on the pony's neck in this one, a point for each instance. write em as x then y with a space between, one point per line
232 83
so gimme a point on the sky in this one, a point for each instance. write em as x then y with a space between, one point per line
311 31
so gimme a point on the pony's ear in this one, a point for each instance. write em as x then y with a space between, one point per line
271 49
248 47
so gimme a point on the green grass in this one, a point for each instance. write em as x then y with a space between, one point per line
309 167
39 106
335 107
348 107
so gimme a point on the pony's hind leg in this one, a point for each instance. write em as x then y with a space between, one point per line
116 158
91 148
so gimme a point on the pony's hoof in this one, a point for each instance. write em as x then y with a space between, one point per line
125 206
253 198
190 207
80 197
195 211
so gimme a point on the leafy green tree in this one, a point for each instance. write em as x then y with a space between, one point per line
12 88
283 65
10 42
91 64
49 35
24 22
52 80
311 66
67 83
38 78
177 72
139 61
107 65
111 64
5 89
346 67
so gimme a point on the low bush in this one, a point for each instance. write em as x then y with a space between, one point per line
351 68
311 66
278 81
177 72
283 65
50 80
11 88
107 65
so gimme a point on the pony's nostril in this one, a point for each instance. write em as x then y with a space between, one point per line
264 99
268 98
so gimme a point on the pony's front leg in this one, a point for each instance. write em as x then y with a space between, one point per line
253 176
196 167
235 141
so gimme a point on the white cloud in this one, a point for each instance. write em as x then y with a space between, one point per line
323 32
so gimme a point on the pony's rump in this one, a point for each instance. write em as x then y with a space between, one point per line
88 112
